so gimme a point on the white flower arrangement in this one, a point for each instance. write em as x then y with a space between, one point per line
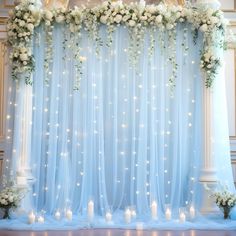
10 198
136 17
225 200
23 20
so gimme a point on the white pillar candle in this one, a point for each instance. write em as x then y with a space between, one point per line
41 219
90 210
192 212
168 214
108 217
31 218
154 210
57 215
127 216
133 214
69 214
182 217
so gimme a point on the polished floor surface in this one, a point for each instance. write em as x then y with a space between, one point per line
104 232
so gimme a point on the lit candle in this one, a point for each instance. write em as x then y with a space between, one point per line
127 216
154 210
182 217
168 214
108 217
69 214
31 218
57 215
90 210
41 219
192 212
133 214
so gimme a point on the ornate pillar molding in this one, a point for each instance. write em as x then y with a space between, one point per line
24 178
208 175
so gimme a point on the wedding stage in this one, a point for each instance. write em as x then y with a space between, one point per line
117 118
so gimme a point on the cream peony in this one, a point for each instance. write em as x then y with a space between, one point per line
48 15
159 19
204 28
132 23
23 57
118 18
30 27
60 19
103 19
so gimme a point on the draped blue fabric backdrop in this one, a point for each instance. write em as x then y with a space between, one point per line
126 137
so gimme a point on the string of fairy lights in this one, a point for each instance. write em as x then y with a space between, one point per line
129 99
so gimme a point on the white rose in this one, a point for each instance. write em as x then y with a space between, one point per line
178 15
169 26
204 28
214 20
151 8
167 15
23 57
143 18
103 19
125 18
131 23
48 15
210 11
11 199
159 18
22 23
30 27
31 8
60 19
118 18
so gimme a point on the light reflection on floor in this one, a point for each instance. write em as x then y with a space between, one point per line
117 232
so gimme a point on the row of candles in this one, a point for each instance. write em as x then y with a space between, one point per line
129 214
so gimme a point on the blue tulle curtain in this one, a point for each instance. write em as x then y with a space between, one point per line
126 137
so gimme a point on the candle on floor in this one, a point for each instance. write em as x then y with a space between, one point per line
31 217
168 214
133 214
41 219
154 210
127 216
108 217
192 212
90 210
69 215
182 217
57 215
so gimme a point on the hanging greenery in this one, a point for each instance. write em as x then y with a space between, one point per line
136 17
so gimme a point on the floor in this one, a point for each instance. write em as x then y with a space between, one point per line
117 232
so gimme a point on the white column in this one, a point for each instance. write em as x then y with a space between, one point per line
24 177
208 177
